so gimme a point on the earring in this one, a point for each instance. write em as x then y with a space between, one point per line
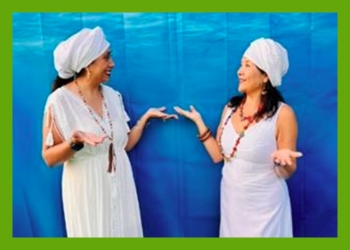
88 74
264 91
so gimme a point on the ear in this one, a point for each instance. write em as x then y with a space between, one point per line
265 79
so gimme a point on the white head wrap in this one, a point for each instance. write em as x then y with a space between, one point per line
78 51
269 56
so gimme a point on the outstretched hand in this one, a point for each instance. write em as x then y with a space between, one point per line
283 157
191 114
87 138
159 113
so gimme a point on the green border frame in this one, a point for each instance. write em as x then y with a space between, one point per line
171 6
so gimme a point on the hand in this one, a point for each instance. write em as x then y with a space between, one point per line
283 157
87 138
159 113
193 114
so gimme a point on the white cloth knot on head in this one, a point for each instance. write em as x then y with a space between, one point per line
271 57
78 51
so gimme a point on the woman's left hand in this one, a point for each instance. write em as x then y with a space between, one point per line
284 157
159 113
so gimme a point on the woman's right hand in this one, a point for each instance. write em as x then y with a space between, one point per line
191 114
87 138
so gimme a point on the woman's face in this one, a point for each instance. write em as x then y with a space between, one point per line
250 78
102 67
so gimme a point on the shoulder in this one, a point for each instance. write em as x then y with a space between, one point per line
112 92
286 111
286 114
225 110
55 96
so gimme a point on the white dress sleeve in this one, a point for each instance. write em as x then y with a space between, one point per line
123 112
52 113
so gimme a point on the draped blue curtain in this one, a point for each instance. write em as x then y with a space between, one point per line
167 59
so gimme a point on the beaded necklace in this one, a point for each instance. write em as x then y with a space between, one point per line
111 153
250 120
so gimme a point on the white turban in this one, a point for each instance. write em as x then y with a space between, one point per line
78 51
269 56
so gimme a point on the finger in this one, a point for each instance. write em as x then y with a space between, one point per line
296 154
171 116
192 108
93 139
288 162
100 140
277 161
178 110
89 141
284 163
162 108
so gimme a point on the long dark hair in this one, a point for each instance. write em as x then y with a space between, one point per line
270 100
60 82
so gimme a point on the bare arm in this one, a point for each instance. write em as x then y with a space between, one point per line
137 131
286 136
211 144
61 150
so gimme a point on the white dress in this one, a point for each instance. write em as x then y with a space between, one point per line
254 200
96 203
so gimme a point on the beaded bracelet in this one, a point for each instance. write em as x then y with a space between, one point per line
204 136
208 135
205 133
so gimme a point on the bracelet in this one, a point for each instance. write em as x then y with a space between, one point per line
76 146
206 132
206 137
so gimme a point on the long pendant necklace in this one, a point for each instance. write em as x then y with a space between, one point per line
250 120
111 152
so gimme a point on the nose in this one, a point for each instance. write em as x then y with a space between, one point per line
239 71
111 63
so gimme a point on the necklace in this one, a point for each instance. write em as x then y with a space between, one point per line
244 118
250 120
111 153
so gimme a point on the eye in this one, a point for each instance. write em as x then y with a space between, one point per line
108 55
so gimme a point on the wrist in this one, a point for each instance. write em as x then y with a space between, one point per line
76 146
201 126
143 121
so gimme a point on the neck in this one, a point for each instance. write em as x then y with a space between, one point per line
87 87
252 101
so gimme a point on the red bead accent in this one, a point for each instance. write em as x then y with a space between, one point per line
250 120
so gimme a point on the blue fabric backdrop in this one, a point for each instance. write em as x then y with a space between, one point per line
167 59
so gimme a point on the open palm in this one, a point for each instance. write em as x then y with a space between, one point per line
191 114
88 138
159 113
285 156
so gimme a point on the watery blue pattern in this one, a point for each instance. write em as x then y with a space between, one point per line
167 59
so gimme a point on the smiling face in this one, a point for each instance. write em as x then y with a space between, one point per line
251 79
101 68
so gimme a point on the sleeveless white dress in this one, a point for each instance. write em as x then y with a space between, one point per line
254 200
96 203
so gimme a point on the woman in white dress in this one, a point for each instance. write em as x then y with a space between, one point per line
85 127
256 138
